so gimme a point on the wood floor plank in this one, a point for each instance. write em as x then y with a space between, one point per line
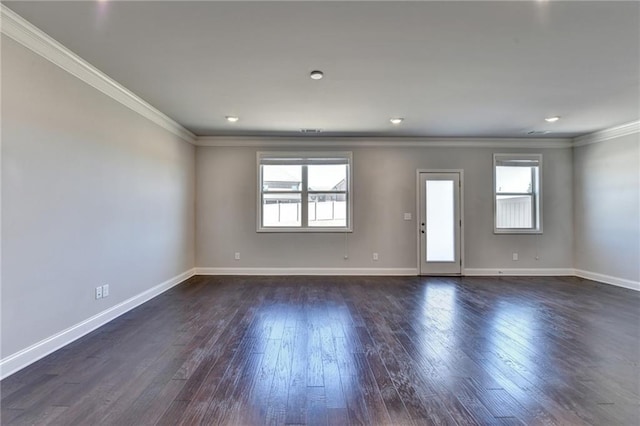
348 350
316 406
277 397
296 411
395 406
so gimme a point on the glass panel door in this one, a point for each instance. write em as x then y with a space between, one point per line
440 224
439 221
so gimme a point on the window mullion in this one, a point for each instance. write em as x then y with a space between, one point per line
304 220
280 192
534 206
326 192
515 193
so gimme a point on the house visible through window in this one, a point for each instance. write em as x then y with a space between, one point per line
307 192
517 193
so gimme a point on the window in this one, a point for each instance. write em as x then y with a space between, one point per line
517 193
304 192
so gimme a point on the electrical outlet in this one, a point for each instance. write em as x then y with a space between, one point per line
237 256
105 290
375 256
99 292
515 256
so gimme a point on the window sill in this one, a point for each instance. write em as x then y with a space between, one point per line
305 230
517 231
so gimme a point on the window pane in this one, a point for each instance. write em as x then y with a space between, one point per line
281 209
327 177
513 179
281 178
328 210
514 212
440 221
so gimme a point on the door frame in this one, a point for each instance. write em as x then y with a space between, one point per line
418 218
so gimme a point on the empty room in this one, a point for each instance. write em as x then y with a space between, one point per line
320 213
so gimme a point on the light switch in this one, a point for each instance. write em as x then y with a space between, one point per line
407 216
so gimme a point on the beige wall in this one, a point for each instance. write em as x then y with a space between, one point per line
607 207
92 194
384 187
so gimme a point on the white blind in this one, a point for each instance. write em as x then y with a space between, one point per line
302 160
509 161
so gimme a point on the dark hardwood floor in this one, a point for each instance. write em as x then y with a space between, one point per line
349 350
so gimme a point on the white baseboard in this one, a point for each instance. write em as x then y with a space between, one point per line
518 272
308 271
607 279
33 353
553 272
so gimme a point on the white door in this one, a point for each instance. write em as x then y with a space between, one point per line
440 223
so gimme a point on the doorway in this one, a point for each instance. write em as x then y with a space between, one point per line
440 222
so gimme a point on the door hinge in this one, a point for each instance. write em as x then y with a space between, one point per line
461 223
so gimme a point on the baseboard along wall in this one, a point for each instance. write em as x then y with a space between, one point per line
309 271
33 353
608 279
519 272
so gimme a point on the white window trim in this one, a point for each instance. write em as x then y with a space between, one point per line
304 155
537 199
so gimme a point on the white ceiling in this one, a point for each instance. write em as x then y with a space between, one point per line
484 69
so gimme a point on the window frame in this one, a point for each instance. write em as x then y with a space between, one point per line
536 194
305 158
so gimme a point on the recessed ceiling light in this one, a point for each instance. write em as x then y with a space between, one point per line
232 118
552 119
316 75
396 120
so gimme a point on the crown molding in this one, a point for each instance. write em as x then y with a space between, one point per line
380 142
14 26
608 134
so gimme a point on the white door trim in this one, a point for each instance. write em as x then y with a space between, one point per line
417 214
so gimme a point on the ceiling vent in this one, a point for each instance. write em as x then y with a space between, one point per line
537 132
311 131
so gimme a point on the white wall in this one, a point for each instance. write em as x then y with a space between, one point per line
92 194
384 187
607 208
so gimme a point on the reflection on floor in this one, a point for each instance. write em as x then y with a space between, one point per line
347 350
